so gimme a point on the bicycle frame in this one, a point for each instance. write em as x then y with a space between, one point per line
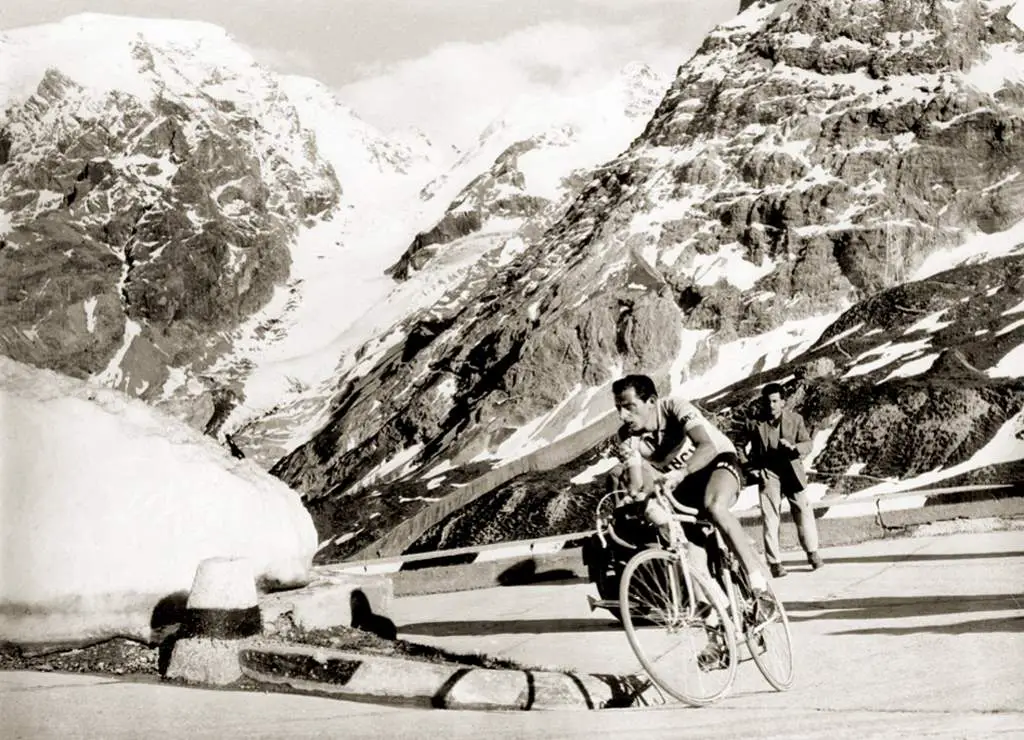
736 608
720 559
677 544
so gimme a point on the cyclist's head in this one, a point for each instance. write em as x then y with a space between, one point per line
771 396
636 402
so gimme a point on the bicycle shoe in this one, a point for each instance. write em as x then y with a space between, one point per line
765 607
713 657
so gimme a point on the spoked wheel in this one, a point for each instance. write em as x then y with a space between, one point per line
691 656
771 646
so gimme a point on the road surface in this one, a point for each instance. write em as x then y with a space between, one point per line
911 637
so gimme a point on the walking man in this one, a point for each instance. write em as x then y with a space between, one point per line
778 441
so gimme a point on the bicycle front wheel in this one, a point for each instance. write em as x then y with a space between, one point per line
688 650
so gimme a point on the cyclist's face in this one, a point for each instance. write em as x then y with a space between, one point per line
636 414
774 403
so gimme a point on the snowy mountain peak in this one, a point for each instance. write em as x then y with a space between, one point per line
105 53
173 183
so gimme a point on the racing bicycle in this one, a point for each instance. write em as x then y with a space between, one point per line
686 629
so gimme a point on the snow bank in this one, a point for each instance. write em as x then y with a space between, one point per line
107 507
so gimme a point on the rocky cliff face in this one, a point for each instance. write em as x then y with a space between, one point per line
154 184
809 156
913 383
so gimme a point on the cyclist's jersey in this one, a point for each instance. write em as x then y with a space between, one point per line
670 445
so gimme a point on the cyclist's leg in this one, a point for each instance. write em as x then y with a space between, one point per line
719 496
690 493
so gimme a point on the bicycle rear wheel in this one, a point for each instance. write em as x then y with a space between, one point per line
771 646
683 655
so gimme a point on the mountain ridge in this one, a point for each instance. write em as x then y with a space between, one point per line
762 192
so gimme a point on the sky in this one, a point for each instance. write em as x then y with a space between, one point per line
447 67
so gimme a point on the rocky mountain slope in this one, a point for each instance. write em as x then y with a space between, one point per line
533 161
914 388
164 202
499 196
827 194
810 158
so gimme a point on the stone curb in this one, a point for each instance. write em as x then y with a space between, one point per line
350 675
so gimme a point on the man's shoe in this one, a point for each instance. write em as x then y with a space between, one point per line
815 560
778 570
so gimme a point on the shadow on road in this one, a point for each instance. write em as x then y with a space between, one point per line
904 558
510 627
975 626
896 607
525 573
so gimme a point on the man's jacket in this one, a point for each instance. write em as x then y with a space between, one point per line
787 464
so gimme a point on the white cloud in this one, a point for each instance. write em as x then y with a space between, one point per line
455 90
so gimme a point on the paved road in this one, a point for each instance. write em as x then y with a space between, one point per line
907 637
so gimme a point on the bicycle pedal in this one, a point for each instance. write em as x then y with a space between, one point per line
602 603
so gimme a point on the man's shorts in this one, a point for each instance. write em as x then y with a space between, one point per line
691 491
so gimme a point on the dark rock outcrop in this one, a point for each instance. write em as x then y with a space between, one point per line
144 228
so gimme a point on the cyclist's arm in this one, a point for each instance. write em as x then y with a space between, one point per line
704 450
628 453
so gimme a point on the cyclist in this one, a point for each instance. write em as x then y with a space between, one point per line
668 442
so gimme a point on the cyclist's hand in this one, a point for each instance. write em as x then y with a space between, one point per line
672 480
630 498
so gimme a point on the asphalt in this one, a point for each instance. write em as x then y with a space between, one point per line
909 637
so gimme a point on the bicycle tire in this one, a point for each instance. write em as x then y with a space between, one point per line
769 640
651 615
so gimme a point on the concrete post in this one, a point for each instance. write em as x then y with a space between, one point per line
222 611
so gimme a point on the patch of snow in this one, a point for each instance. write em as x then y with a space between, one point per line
914 367
89 306
113 374
1002 65
88 551
690 341
729 264
1011 366
843 335
818 443
929 323
593 472
442 467
400 463
976 249
738 359
889 353
1007 445
1010 327
1019 308
176 378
